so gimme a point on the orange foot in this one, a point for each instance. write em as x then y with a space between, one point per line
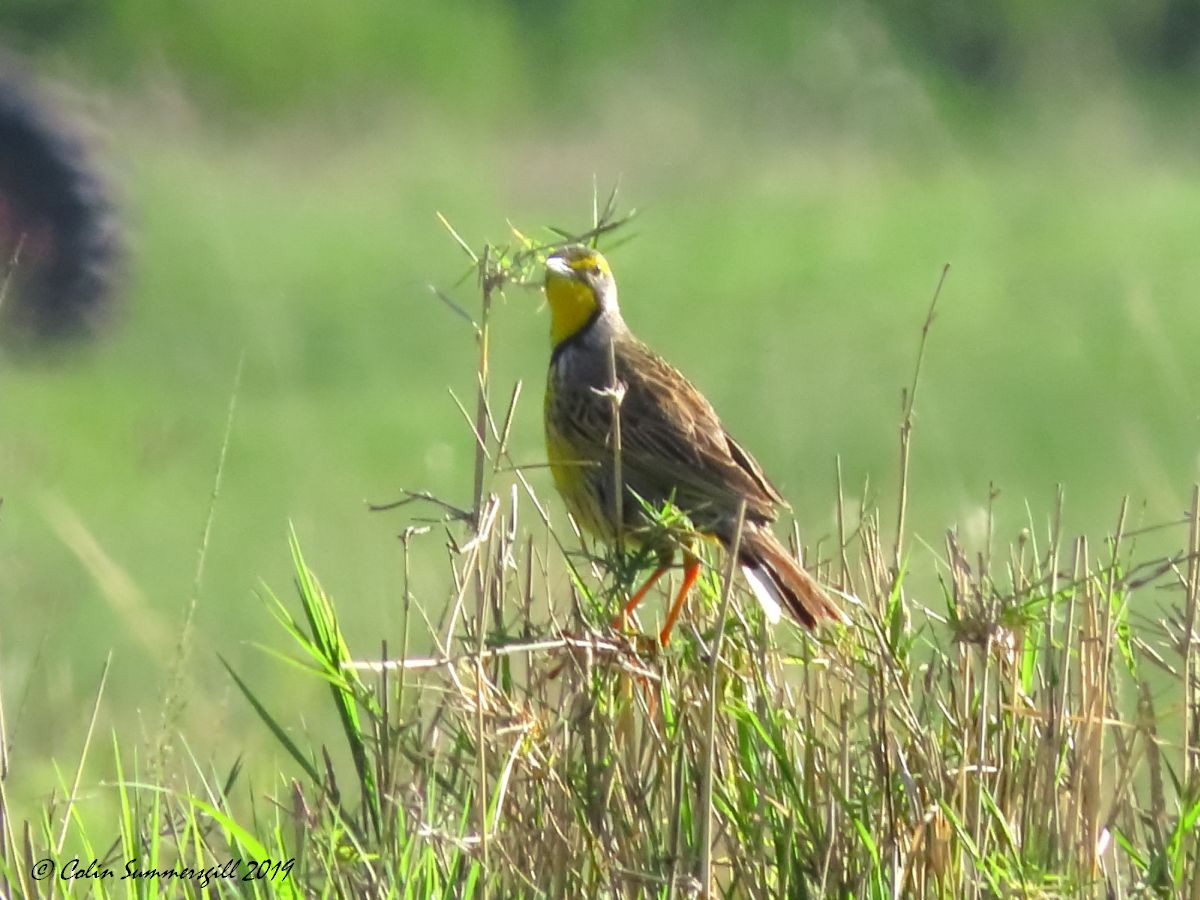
691 571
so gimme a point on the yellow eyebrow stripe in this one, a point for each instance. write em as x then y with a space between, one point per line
586 262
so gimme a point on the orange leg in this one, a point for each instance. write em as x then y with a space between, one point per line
619 621
691 571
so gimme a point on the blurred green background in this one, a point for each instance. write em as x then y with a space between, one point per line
803 173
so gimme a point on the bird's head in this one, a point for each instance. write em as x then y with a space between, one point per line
579 288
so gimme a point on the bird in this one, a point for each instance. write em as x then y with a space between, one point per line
604 382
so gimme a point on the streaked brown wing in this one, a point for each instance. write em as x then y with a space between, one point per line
750 465
671 441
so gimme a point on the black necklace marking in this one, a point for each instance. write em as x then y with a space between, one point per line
565 343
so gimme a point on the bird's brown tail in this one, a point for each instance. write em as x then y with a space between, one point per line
777 578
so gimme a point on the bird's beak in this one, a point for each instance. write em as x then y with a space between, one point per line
556 265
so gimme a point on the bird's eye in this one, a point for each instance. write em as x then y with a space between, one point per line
594 271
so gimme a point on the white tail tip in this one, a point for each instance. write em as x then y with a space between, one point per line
767 594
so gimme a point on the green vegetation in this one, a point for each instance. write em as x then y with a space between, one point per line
802 182
1019 737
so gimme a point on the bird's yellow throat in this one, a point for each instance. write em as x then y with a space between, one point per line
572 305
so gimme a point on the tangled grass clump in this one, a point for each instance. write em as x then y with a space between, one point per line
991 724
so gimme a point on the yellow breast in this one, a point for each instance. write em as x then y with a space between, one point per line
572 306
573 476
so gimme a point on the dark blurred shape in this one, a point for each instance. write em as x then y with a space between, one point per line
56 217
993 42
1160 35
30 22
977 42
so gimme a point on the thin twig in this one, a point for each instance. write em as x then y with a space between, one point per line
172 701
482 413
1191 657
595 644
706 784
455 512
908 399
13 262
87 743
454 307
466 248
616 394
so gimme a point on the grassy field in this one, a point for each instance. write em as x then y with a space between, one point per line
1024 730
785 267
